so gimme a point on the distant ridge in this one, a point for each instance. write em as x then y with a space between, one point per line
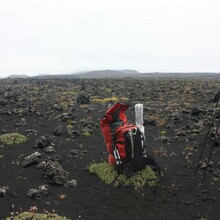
182 75
14 76
121 74
108 74
93 74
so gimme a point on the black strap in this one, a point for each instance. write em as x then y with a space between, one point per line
119 166
143 144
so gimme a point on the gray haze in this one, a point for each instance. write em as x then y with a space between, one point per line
54 36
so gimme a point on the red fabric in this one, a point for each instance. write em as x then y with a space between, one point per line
120 139
105 122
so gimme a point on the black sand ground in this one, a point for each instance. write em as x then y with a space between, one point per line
169 105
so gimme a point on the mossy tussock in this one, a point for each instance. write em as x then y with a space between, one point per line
36 216
69 93
110 99
107 173
12 138
86 133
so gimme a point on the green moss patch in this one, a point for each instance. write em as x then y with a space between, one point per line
113 99
107 173
86 133
69 93
36 216
12 138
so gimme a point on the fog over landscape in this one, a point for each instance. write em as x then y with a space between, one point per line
62 37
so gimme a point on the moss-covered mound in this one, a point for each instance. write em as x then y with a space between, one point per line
110 99
109 175
12 138
36 216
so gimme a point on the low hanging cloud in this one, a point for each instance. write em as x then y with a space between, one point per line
57 36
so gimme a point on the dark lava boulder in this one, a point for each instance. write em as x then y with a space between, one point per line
3 191
37 193
197 111
31 159
44 141
53 173
82 99
58 131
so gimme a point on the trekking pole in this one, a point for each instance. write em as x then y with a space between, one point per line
215 100
210 153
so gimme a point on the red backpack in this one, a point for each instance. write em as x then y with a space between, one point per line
125 142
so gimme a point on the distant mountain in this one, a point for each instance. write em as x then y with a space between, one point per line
57 76
127 71
193 75
50 76
93 74
122 74
108 74
18 77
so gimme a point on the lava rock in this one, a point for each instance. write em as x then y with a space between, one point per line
73 154
37 193
196 111
82 99
58 131
49 150
164 139
44 141
71 183
180 132
3 191
54 174
31 159
76 133
66 116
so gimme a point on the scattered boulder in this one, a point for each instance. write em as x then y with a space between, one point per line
66 116
71 183
58 131
49 150
196 111
44 141
3 191
38 193
54 174
82 99
76 133
180 132
73 154
31 159
164 139
175 117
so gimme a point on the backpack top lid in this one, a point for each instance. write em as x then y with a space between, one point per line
116 113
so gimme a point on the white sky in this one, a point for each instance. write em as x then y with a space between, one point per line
63 36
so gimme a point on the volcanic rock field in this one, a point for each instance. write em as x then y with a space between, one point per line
50 134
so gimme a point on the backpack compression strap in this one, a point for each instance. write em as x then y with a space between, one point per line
117 157
143 144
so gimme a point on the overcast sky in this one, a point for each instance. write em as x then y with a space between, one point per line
64 36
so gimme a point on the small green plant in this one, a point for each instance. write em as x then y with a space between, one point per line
109 175
69 93
163 133
12 138
86 133
36 216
